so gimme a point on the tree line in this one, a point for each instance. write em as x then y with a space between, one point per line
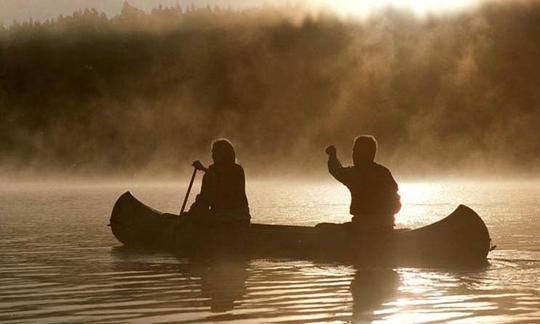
149 90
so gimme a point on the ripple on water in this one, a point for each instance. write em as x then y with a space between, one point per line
69 272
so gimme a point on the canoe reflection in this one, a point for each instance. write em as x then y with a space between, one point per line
225 289
370 289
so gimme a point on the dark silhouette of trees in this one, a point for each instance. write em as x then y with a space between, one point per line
150 90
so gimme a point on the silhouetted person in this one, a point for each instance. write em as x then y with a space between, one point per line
374 197
222 198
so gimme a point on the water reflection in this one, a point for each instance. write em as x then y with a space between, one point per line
222 281
371 288
153 287
56 265
96 285
240 290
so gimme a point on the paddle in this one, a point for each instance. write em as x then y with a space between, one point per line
196 166
189 190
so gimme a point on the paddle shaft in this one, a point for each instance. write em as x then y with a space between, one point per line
188 190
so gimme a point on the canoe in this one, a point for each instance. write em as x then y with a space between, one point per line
461 238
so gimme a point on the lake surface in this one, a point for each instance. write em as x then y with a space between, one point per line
59 261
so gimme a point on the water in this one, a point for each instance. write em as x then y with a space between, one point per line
60 263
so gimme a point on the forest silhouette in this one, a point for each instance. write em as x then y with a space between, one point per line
148 91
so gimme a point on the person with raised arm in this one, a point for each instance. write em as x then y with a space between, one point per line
374 192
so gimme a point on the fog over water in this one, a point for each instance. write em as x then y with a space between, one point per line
124 97
145 92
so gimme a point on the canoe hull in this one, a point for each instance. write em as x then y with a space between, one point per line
459 239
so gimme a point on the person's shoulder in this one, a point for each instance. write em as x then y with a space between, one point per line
381 168
349 170
237 167
211 169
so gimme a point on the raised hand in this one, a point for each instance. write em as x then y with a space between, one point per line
331 150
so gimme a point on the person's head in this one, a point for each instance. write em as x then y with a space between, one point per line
364 149
223 152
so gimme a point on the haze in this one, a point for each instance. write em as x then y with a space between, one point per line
145 91
48 9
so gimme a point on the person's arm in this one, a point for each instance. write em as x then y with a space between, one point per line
244 201
205 197
199 166
393 188
334 165
242 180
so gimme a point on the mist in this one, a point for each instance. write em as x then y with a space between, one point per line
147 92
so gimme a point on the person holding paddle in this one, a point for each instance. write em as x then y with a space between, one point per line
374 192
222 199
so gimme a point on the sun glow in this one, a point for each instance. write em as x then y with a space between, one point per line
421 7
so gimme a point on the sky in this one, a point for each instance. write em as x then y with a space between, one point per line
22 10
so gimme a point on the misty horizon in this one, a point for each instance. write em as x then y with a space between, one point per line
40 10
146 92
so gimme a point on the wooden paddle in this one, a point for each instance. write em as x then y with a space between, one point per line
196 166
188 190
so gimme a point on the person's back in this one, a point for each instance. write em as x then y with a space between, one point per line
223 188
222 198
374 197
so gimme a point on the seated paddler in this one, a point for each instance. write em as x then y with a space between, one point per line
374 192
222 199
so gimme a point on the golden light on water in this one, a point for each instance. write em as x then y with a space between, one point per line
363 8
414 199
